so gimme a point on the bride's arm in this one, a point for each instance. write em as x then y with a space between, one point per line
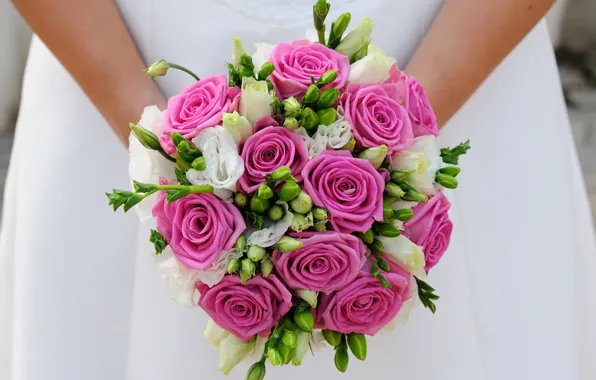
466 42
91 40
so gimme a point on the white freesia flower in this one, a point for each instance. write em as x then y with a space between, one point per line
233 350
423 158
255 99
237 126
374 68
405 253
223 164
262 55
272 231
215 334
332 136
147 165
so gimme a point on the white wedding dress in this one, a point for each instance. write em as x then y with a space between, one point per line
80 297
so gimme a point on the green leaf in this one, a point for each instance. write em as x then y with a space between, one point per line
174 195
181 177
426 295
451 155
159 242
133 201
255 219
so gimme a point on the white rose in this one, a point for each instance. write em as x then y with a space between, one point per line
233 350
237 126
215 334
255 99
223 164
405 253
262 55
423 158
374 68
147 165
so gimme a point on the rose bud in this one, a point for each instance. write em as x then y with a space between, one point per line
256 253
302 203
158 69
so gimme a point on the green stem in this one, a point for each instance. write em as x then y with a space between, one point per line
321 34
167 156
193 189
182 68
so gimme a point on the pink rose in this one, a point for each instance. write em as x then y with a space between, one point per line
364 306
198 227
431 228
248 309
422 116
295 63
377 117
197 107
351 189
326 262
267 150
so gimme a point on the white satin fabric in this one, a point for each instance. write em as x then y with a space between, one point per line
81 298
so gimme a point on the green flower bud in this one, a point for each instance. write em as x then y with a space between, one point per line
338 28
384 265
301 347
291 178
304 320
185 166
249 266
450 170
333 337
368 237
415 196
274 357
320 11
240 199
309 296
259 205
327 116
403 215
320 226
187 151
328 98
177 138
158 69
234 265
145 137
310 119
341 358
356 39
292 107
256 253
302 222
320 213
374 271
446 181
394 190
238 51
289 191
244 276
376 247
290 339
288 244
350 145
266 70
384 283
246 61
302 203
291 123
312 94
199 164
376 156
281 173
400 175
276 213
265 192
387 230
327 78
387 212
266 266
285 352
241 244
357 344
256 371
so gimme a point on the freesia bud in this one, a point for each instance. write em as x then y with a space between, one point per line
327 78
158 69
327 116
244 276
387 230
288 244
320 11
394 190
357 344
240 199
290 339
302 346
238 51
249 266
234 265
256 371
328 98
333 337
289 191
176 138
266 70
302 203
199 164
320 226
374 271
281 173
145 137
383 265
450 170
291 123
320 213
341 358
400 175
387 212
350 145
403 215
302 222
237 126
368 237
312 94
310 119
274 357
259 205
266 266
285 352
241 244
276 213
376 247
187 151
376 156
446 181
265 192
292 107
304 320
256 253
338 28
415 196
354 41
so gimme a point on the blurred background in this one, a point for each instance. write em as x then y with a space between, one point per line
573 33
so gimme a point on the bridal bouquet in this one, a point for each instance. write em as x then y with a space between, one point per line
299 200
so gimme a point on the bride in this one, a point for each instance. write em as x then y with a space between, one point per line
78 302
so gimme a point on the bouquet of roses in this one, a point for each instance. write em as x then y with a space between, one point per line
297 201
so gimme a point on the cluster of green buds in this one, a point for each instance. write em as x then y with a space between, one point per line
400 188
254 260
246 68
446 176
317 105
376 247
160 68
188 155
356 342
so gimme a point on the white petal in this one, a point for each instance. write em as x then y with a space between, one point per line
262 54
406 254
232 351
424 159
272 231
180 280
374 68
215 334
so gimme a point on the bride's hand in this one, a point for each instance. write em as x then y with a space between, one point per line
465 44
91 40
